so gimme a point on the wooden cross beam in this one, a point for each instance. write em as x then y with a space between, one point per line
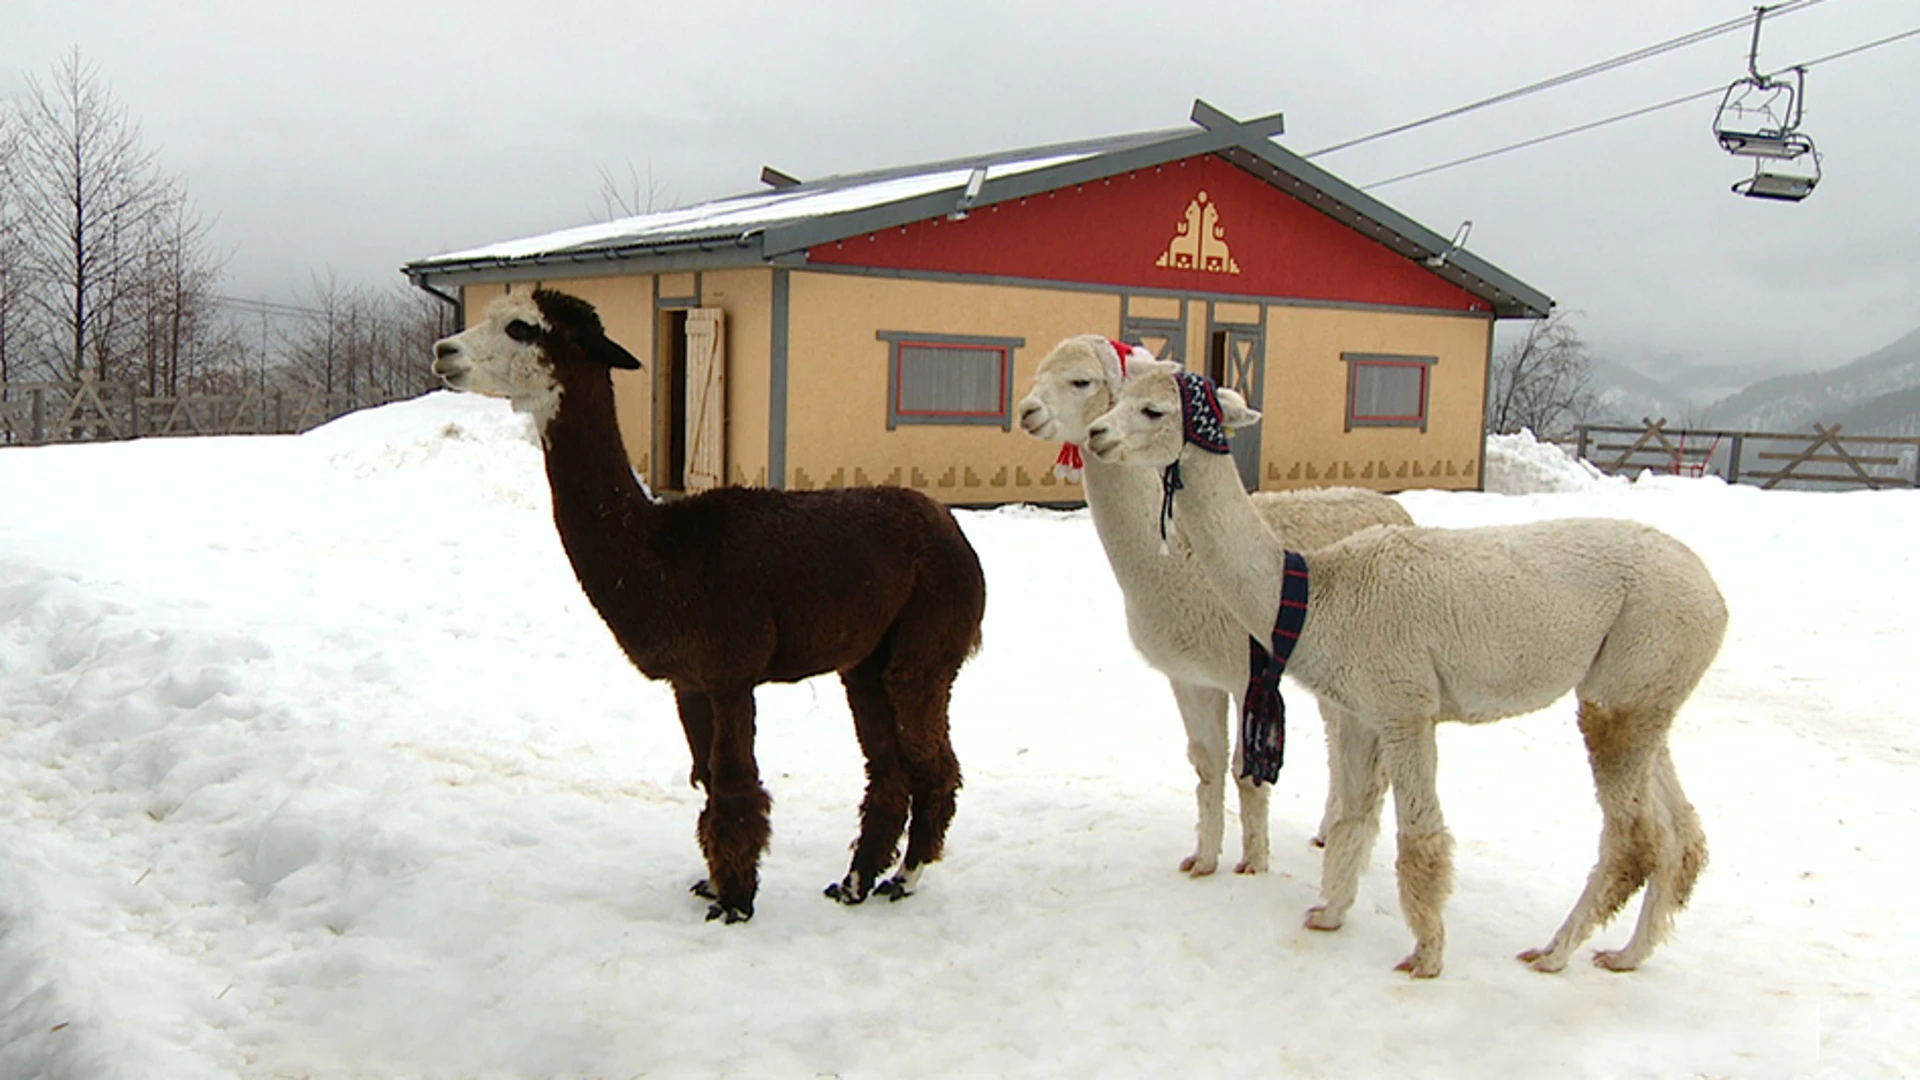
1265 127
1653 433
1828 437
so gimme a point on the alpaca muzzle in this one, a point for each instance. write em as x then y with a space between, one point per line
450 364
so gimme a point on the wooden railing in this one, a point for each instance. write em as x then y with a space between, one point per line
1824 458
32 413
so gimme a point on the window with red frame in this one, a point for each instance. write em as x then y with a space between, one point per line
949 379
1387 390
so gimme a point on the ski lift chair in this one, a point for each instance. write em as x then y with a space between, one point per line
1759 117
1779 186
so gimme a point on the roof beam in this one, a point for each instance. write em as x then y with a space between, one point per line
1265 127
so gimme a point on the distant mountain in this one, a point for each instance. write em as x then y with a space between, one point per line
1625 393
1878 394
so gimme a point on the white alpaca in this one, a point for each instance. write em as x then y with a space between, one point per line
1406 627
1172 614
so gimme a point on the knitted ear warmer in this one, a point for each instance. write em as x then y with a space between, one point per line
1200 412
1201 421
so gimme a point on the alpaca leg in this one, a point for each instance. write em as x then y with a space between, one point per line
1682 855
1620 746
1329 723
733 827
1204 710
1360 782
1254 799
1425 864
933 775
696 719
883 813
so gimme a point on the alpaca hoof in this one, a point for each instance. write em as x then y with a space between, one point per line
1543 960
848 891
1614 960
894 888
1419 964
1250 866
728 914
1195 866
1319 918
1318 841
704 890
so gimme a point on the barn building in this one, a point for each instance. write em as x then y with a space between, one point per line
879 327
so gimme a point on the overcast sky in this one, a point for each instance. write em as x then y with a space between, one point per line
351 137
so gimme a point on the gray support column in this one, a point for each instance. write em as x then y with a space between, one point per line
777 387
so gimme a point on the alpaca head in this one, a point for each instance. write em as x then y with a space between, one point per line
1162 409
1073 385
527 349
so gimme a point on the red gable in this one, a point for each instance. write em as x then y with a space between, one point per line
1200 225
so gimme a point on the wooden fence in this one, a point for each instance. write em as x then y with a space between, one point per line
33 413
1824 458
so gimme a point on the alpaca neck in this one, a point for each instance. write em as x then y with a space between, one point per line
605 520
1125 505
1241 557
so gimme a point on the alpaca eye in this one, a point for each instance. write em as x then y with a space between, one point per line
522 331
1082 384
1150 412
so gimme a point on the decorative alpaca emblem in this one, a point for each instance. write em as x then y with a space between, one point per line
1199 242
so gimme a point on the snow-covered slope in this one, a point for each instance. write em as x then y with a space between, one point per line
314 762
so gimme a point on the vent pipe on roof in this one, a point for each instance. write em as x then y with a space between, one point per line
976 180
776 179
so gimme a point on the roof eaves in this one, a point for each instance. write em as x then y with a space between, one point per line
743 246
1509 296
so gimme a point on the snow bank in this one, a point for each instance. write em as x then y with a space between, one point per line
1520 464
315 762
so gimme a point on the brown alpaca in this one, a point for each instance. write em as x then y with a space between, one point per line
735 587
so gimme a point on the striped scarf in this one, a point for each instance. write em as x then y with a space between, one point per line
1263 713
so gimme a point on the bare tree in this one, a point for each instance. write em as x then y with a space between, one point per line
364 345
632 197
1542 382
13 271
86 186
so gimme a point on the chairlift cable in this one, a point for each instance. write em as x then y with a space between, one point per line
1647 52
1709 92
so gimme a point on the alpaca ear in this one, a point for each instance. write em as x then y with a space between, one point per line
1234 410
618 357
1137 368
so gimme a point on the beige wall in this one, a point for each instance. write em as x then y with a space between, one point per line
837 381
1304 441
837 384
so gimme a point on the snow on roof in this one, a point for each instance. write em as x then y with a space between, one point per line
731 216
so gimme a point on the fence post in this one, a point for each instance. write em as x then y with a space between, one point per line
39 416
1733 460
1580 452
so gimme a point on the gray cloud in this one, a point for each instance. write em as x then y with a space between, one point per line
353 136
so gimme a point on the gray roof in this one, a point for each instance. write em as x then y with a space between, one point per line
778 225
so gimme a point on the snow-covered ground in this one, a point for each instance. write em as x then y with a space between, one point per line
314 762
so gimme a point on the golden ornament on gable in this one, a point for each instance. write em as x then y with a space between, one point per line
1199 242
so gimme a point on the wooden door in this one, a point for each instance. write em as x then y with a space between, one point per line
705 412
1235 359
